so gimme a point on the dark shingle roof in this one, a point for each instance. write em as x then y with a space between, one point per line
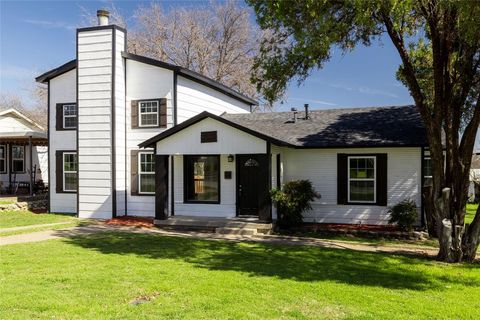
353 127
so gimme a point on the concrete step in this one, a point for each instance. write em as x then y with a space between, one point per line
237 231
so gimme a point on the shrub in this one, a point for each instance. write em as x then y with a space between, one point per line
292 200
404 214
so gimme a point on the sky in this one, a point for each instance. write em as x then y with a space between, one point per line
36 36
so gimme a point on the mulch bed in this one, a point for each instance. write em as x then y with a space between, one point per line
348 227
144 222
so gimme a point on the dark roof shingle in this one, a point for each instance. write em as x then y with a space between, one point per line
353 127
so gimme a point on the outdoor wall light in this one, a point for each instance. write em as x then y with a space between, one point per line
230 158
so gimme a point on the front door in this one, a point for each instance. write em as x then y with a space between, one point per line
252 185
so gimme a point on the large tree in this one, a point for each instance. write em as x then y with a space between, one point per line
219 41
438 43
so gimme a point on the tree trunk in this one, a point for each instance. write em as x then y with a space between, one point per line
471 240
429 211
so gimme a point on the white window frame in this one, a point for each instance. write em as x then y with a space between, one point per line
69 116
140 113
4 159
366 179
140 172
63 171
18 159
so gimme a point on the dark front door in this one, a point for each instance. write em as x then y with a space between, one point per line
252 185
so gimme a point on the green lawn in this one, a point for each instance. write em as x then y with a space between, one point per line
9 219
100 276
471 210
8 200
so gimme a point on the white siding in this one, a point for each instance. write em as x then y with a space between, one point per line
144 81
62 90
193 98
320 167
120 123
94 131
230 140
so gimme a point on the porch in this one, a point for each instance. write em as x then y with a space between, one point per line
20 166
236 225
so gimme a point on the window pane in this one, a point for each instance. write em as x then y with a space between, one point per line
17 165
17 152
149 119
70 162
2 152
2 165
203 177
427 170
362 191
70 122
70 110
147 183
147 162
70 181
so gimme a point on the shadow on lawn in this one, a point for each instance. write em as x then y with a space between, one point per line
300 263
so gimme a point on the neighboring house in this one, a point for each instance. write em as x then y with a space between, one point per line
23 152
101 106
474 187
133 135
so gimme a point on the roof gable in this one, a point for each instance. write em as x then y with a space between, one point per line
18 121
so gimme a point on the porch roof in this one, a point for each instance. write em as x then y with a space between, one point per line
334 128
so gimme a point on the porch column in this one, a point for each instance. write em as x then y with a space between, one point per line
31 166
161 187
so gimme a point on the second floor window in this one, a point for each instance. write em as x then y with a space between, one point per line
69 116
148 114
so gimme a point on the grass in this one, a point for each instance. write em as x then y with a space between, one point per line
73 223
141 276
10 219
8 200
471 210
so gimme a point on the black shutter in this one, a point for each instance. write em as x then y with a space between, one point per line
342 178
161 187
59 116
163 113
382 179
59 171
134 172
134 114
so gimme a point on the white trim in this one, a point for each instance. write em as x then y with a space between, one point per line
146 113
69 116
4 146
18 159
63 171
365 179
139 157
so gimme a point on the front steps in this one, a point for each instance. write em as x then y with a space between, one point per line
234 226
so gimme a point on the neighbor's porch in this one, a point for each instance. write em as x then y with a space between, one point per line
20 166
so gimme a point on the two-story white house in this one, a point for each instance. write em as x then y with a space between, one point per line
105 102
131 135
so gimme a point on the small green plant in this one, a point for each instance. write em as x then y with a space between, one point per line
404 214
292 200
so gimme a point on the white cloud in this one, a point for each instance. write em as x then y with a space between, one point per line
50 24
321 102
364 90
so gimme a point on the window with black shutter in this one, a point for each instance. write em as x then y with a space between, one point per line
362 179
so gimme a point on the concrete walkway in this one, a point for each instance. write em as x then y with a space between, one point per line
33 226
271 239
